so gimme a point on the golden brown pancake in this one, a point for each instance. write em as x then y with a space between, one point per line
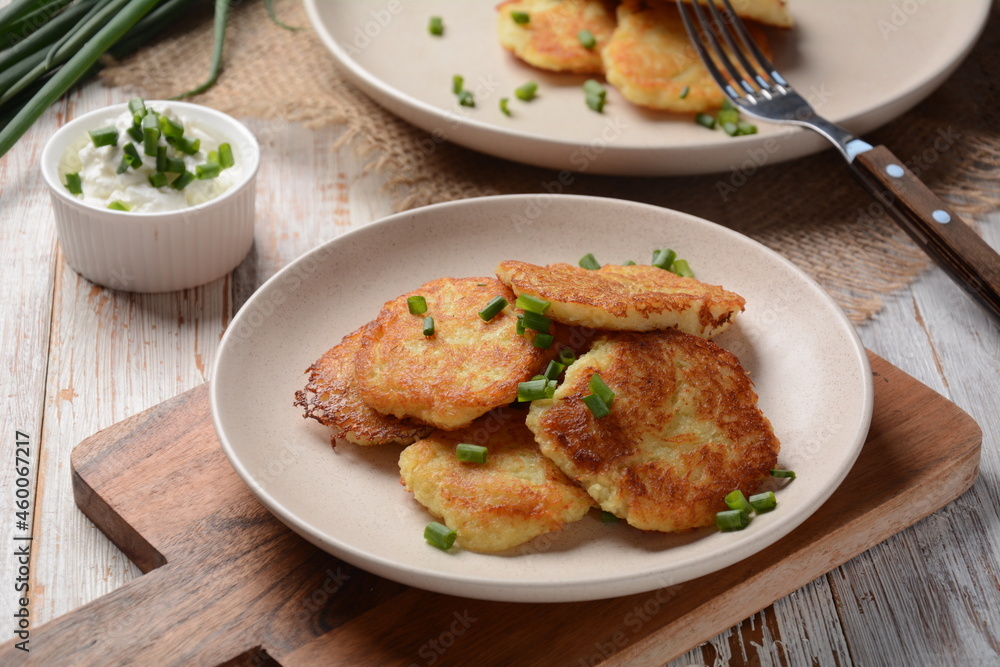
549 40
625 298
684 429
331 398
771 12
465 369
516 495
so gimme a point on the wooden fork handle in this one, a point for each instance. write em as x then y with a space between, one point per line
933 225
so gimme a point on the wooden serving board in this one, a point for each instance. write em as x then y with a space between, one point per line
227 583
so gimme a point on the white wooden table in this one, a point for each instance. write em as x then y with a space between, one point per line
78 358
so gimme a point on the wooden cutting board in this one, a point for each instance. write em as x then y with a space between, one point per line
228 583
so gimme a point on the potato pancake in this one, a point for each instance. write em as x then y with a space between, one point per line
684 429
771 12
331 398
517 494
549 39
466 368
652 63
625 298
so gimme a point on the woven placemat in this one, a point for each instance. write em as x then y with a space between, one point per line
824 223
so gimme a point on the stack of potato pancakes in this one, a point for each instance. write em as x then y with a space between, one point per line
683 428
640 46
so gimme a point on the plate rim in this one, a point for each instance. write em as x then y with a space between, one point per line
566 590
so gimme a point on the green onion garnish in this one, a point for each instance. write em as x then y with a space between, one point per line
608 517
535 390
527 91
119 205
132 155
186 146
161 158
735 500
589 262
598 387
681 268
596 95
727 105
213 157
440 536
435 26
728 116
74 184
664 258
536 322
466 99
504 106
135 132
763 502
729 128
138 109
566 356
705 120
628 262
183 180
495 305
171 129
543 341
520 18
519 327
783 473
532 304
207 171
684 93
417 305
105 136
587 39
471 453
157 179
150 135
553 370
428 326
173 165
732 520
596 405
457 84
745 128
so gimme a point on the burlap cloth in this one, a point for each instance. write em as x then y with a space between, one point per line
823 223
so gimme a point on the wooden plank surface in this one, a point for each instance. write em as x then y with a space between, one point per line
228 577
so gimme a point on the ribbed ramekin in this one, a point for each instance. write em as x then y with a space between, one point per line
155 252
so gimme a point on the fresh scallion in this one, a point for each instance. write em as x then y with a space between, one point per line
105 136
119 205
589 262
745 128
519 327
597 386
466 99
161 157
457 84
526 91
74 184
595 95
608 517
157 179
783 473
428 326
735 500
566 356
137 108
628 262
543 341
189 146
435 26
182 181
505 106
495 305
587 39
417 305
207 171
135 132
763 502
171 129
440 536
536 322
532 304
729 128
553 370
151 135
705 120
520 18
732 520
681 268
534 390
728 116
596 405
173 165
685 92
664 258
471 453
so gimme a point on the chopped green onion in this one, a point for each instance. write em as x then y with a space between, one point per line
596 95
135 133
554 369
519 327
495 305
566 356
428 326
732 520
173 165
589 262
783 473
123 165
457 84
587 39
684 93
520 18
729 128
593 86
171 129
157 179
727 105
74 184
440 536
150 135
417 305
527 91
705 120
119 205
466 99
539 377
105 136
664 258
536 322
471 453
763 502
735 500
745 128
138 109
596 405
681 268
598 387
543 341
132 153
207 171
532 304
161 158
728 116
628 262
608 517
536 390
435 26
213 157
504 106
187 146
183 180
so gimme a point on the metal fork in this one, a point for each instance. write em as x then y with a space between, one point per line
754 85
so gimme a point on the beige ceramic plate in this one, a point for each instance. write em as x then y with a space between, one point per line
860 62
810 369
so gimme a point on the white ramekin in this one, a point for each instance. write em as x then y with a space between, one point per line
155 252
